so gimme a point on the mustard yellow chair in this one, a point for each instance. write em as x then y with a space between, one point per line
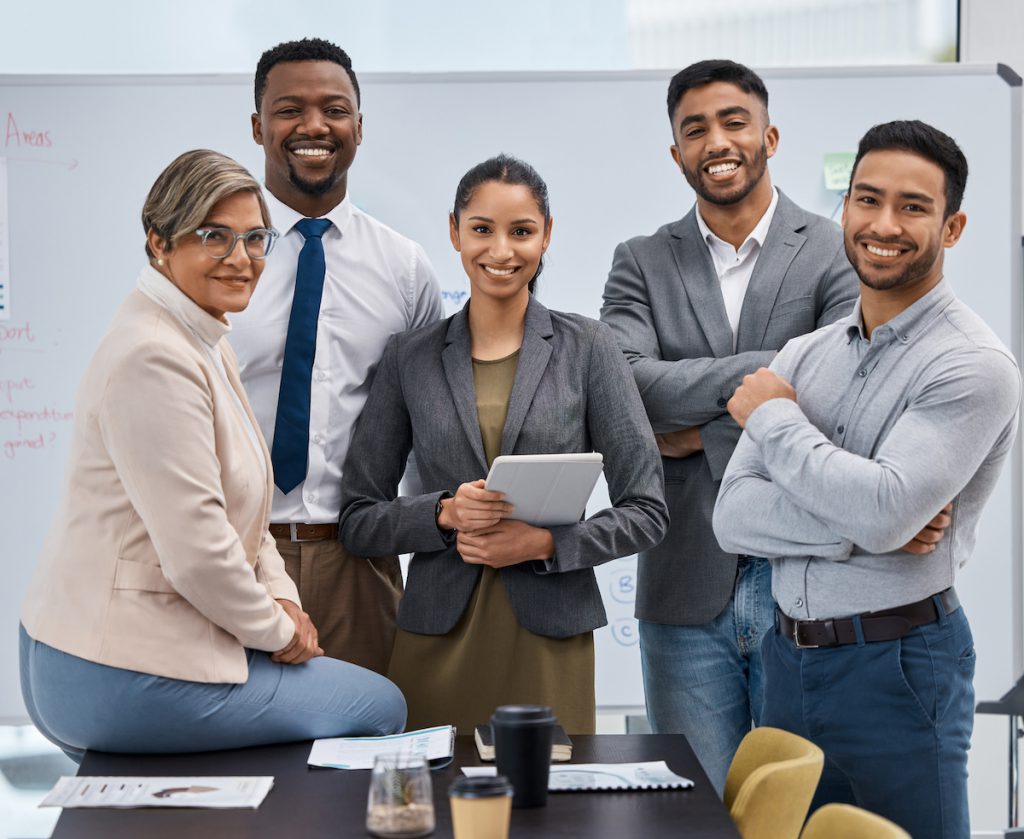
771 782
844 821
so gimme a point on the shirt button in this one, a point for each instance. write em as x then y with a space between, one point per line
318 438
841 429
320 375
722 403
799 602
311 497
862 373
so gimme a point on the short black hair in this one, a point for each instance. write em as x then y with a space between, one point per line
505 169
926 141
714 70
308 49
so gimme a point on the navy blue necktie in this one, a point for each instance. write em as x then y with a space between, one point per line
290 453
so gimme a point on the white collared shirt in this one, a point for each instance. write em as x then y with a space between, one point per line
208 329
734 266
377 283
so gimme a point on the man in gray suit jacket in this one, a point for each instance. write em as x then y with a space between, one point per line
695 307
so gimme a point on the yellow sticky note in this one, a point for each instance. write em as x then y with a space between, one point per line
838 166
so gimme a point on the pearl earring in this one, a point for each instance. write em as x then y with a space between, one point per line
160 262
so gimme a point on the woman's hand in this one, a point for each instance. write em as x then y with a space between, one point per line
508 542
304 644
472 508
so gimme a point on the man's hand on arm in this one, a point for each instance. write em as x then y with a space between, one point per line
928 539
681 443
756 389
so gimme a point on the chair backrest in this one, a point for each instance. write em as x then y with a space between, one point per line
844 821
771 782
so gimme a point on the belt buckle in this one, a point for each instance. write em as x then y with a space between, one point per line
294 535
796 639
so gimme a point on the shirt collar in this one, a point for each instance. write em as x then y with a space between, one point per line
757 235
285 218
909 323
162 291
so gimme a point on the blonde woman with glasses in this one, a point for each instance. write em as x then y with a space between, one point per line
160 617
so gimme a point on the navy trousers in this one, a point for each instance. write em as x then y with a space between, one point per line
894 719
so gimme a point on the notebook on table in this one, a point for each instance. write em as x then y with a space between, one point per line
561 745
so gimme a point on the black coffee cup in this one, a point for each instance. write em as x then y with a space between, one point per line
522 750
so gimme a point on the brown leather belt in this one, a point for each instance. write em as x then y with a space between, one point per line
298 532
885 625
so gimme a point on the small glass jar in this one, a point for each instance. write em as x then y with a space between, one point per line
400 804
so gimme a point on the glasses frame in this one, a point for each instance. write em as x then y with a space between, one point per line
272 237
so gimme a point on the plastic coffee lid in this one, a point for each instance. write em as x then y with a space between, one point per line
480 787
523 714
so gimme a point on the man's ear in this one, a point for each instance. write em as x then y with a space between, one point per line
257 129
676 156
771 140
953 228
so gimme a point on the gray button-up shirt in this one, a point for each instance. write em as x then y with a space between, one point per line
884 433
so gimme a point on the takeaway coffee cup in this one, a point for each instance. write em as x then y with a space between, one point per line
522 750
481 807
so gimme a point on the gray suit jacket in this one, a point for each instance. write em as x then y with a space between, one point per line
663 301
572 393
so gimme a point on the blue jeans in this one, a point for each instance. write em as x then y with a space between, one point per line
705 681
79 705
894 719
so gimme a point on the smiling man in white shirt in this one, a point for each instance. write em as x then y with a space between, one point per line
307 367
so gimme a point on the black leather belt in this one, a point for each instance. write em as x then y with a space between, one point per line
886 625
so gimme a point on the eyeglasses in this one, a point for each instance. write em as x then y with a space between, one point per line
219 242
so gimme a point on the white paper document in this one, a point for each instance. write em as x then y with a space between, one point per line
601 776
358 752
218 793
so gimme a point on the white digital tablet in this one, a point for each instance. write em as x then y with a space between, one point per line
546 489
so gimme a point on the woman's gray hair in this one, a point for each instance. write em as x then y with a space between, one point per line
186 191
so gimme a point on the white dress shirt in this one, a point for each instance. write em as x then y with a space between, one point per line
377 283
735 265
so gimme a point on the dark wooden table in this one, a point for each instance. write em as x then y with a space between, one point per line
309 802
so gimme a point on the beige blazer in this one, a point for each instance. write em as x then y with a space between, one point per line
159 559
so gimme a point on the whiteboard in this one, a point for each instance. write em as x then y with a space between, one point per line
81 153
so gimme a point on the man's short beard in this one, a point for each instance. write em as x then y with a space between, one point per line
756 167
314 188
917 268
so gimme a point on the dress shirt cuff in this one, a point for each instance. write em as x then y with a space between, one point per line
768 415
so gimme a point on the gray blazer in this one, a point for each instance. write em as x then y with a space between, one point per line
572 393
663 301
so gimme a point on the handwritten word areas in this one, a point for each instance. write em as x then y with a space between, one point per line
15 137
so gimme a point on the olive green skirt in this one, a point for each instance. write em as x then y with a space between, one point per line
488 660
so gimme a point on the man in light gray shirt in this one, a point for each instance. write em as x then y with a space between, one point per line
854 438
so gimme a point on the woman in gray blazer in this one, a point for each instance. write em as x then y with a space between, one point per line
497 611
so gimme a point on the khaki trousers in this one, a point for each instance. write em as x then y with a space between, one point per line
352 600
